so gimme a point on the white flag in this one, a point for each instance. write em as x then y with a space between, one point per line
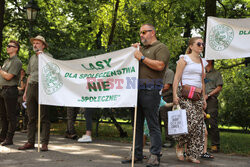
227 38
107 80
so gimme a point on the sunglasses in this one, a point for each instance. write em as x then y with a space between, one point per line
145 31
9 46
200 44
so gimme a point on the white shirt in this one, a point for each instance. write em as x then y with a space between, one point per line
192 73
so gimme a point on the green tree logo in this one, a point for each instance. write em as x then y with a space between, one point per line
220 37
51 78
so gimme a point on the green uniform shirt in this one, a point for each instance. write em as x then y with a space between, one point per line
156 51
13 66
212 80
33 68
168 79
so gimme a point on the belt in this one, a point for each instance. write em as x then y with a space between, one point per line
7 87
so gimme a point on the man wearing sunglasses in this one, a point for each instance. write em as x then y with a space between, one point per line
153 57
9 78
31 97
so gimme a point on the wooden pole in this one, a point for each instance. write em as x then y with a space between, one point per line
39 127
134 134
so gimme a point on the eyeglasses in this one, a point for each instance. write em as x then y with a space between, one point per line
145 31
200 44
9 46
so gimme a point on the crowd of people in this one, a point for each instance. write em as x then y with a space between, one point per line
20 94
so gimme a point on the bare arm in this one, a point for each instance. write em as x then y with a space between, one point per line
6 75
22 86
179 70
204 94
26 87
166 87
153 64
215 91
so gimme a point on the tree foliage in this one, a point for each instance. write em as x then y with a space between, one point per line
234 98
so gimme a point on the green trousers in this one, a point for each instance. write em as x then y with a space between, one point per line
32 110
213 131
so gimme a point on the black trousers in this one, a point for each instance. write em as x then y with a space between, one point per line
148 104
8 102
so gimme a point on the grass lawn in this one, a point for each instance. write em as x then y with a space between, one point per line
236 143
231 143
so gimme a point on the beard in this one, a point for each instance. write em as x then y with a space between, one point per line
144 41
36 49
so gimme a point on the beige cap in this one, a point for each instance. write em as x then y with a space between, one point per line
40 38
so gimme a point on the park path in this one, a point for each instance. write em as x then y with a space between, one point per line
69 153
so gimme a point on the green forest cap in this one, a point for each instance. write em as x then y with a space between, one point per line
40 38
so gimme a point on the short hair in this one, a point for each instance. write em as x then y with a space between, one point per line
212 61
150 25
191 42
16 43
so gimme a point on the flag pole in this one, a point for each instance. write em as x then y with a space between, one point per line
39 127
134 134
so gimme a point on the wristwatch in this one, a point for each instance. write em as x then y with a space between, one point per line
208 95
142 58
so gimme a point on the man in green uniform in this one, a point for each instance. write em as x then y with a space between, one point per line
214 84
9 77
31 96
167 94
153 57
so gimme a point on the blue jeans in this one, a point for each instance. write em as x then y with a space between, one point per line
148 107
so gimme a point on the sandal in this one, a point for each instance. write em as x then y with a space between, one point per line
179 153
193 160
207 155
184 154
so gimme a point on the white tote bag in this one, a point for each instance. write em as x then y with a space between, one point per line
177 121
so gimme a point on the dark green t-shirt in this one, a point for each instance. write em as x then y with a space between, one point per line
156 51
13 66
212 80
168 79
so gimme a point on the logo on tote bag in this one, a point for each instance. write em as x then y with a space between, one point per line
220 37
51 78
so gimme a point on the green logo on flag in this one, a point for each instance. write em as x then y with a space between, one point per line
220 37
51 78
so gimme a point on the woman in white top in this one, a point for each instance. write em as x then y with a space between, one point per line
189 71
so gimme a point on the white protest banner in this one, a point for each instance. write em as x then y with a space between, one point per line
107 80
227 38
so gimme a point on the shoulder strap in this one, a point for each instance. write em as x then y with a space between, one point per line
202 70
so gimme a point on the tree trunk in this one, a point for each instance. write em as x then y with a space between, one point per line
210 10
111 36
2 10
98 40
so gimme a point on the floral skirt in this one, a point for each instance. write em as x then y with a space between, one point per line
196 127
